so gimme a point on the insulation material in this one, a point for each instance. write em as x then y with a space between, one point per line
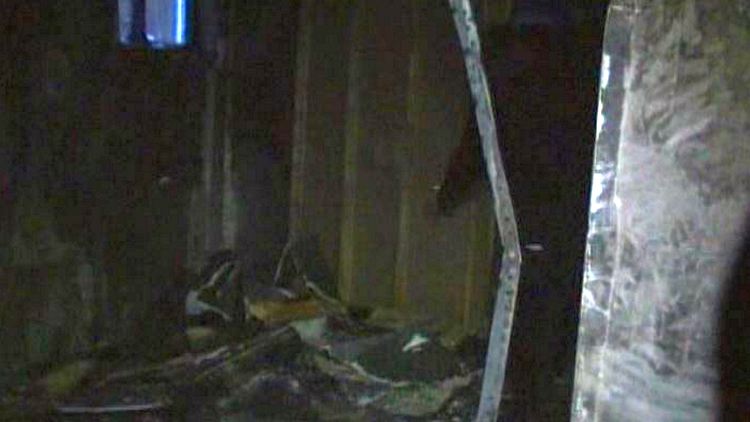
670 190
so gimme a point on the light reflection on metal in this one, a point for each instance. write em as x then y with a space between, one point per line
600 117
502 321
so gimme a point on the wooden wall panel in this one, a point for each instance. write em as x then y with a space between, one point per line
380 105
320 126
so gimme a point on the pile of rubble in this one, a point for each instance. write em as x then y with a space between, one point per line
282 352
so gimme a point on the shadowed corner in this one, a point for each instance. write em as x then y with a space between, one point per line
734 340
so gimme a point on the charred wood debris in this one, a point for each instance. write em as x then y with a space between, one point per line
288 350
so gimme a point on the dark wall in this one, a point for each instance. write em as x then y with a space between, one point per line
148 124
263 35
91 131
102 145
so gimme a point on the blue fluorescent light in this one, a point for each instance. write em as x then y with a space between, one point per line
180 25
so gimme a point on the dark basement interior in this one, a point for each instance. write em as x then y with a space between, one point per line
279 210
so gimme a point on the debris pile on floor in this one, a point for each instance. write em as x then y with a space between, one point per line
293 352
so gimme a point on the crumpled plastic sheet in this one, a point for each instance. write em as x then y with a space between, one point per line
669 197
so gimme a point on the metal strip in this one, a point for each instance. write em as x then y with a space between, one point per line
502 320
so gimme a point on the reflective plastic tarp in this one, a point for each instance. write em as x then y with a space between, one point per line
669 197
